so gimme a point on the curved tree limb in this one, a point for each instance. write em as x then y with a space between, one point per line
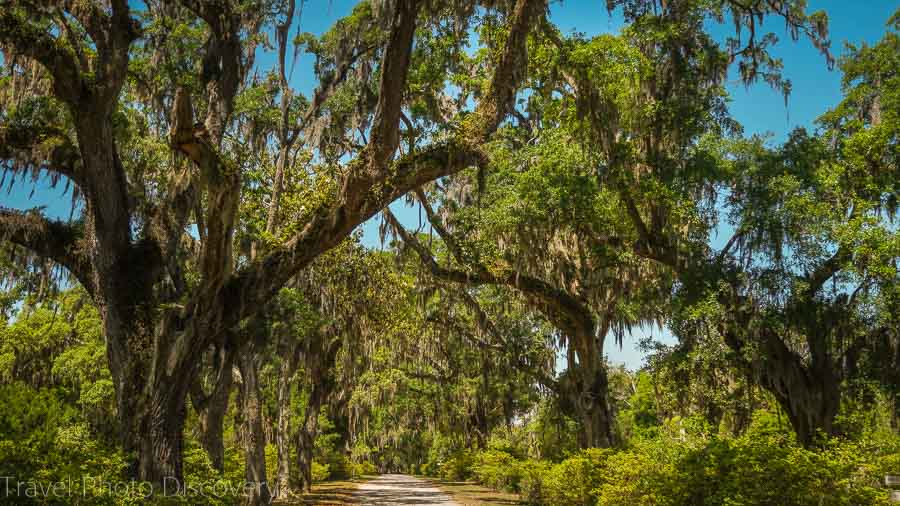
374 181
565 311
17 31
44 147
49 239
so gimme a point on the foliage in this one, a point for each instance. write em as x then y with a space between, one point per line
497 469
457 466
570 188
43 443
682 466
320 472
755 468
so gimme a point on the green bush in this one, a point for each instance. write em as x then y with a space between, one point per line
362 468
43 442
766 470
497 469
645 475
320 472
218 488
753 469
681 464
457 467
533 476
446 460
573 481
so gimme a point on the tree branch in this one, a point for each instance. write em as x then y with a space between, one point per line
385 136
258 281
373 182
512 66
815 279
17 31
51 239
438 227
565 311
42 147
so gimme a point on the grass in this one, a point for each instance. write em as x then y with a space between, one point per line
471 494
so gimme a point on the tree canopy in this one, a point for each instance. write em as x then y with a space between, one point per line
209 312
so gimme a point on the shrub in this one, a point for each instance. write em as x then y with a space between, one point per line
339 466
753 469
645 475
457 467
320 472
531 485
42 441
574 480
683 465
362 468
497 469
218 488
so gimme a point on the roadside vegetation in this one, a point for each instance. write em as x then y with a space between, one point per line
212 320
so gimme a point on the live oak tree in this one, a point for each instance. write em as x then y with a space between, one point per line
765 291
157 159
812 280
589 207
571 284
650 138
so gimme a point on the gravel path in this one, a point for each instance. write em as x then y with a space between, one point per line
401 489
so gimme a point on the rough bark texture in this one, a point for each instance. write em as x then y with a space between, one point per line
253 438
320 357
592 407
211 408
306 437
284 483
161 460
807 389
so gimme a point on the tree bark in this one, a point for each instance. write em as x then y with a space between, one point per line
810 395
211 409
151 397
284 482
253 438
596 415
160 457
809 392
151 418
320 359
306 438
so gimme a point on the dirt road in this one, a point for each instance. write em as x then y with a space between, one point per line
401 489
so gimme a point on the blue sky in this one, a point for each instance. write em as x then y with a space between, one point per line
759 108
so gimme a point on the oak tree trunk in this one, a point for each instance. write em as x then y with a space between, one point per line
597 429
160 456
212 426
150 401
320 357
253 438
810 398
306 438
284 482
211 408
807 390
